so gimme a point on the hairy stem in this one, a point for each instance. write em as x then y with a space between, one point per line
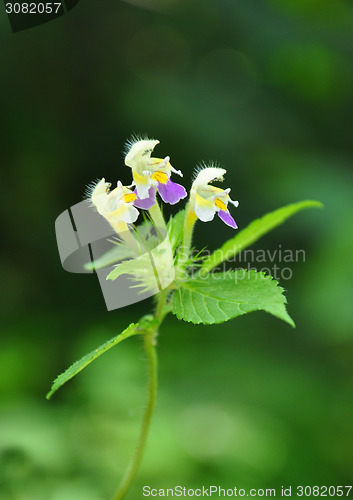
190 219
189 222
151 403
151 352
157 216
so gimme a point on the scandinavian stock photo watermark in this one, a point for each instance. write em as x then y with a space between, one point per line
279 262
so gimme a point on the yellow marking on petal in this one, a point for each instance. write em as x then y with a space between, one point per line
139 179
116 214
204 209
128 198
219 204
160 177
202 202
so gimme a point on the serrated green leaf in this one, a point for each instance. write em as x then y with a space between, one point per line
175 228
223 296
254 231
75 368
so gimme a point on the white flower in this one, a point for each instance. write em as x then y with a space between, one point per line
208 200
116 205
152 172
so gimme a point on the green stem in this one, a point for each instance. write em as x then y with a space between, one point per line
189 223
157 216
188 230
151 403
151 352
160 306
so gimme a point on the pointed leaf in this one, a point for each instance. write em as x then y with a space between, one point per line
223 296
79 365
254 231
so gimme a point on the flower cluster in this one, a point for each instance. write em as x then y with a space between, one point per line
153 175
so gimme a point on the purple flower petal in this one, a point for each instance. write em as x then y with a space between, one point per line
227 218
146 203
171 192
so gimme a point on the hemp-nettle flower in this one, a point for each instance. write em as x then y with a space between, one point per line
151 173
208 200
116 205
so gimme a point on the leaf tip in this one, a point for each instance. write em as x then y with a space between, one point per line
314 204
288 320
291 322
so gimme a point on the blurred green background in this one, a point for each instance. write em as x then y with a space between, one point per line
263 87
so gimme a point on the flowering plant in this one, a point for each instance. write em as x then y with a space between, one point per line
159 258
